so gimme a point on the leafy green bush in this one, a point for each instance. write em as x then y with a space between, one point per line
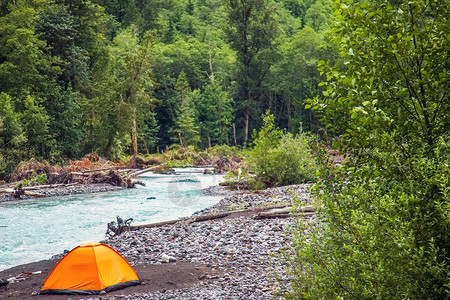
378 237
384 218
276 159
35 179
223 150
294 161
260 159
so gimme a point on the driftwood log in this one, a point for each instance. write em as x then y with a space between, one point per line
279 211
119 227
185 220
47 186
32 191
286 212
139 172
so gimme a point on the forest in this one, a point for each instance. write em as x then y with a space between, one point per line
135 77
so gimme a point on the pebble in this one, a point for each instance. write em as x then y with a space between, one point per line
164 258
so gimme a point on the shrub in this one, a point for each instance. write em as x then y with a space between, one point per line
34 179
223 150
378 237
31 170
276 159
294 160
384 218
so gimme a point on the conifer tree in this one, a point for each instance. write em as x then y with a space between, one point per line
186 130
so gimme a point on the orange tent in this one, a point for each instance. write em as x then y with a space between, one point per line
90 269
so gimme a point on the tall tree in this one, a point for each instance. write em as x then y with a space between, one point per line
318 15
216 113
12 137
190 57
56 26
24 66
135 83
36 121
295 77
148 133
186 130
251 31
28 75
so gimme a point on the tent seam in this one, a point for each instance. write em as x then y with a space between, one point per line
96 267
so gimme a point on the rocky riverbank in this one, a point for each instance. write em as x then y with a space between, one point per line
234 257
241 252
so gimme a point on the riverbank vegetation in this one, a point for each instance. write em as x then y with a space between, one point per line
94 169
129 78
276 158
384 216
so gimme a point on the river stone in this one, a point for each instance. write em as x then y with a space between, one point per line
167 258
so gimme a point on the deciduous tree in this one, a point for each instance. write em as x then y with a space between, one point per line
385 216
251 31
12 137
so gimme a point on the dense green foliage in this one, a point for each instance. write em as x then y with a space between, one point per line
385 216
276 158
128 77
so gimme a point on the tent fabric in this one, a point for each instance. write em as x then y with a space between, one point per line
90 269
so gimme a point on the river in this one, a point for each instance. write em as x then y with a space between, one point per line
33 230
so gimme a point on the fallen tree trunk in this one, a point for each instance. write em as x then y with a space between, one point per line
95 170
210 217
286 212
158 224
272 212
37 187
268 215
184 220
137 173
45 186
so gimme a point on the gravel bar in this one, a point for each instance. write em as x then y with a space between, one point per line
241 251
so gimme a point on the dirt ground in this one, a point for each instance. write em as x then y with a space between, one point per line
161 277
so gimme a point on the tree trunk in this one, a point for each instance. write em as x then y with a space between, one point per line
247 121
234 134
289 113
134 149
147 151
181 140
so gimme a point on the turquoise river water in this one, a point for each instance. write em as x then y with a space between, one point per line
33 230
